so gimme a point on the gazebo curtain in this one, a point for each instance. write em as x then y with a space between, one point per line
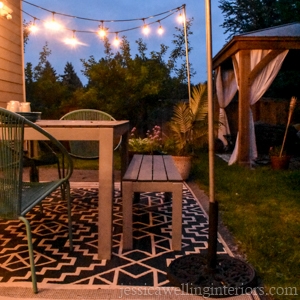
226 88
259 86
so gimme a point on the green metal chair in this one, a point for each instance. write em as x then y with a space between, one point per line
17 198
88 149
46 157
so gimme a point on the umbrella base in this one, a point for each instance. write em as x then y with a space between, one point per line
230 277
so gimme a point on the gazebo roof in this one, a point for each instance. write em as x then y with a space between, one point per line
284 37
292 29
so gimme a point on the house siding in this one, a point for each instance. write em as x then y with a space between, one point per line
11 56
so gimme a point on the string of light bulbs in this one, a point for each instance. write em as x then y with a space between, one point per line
102 31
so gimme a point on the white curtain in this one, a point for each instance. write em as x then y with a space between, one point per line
226 88
261 83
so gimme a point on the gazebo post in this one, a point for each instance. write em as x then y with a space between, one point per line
244 108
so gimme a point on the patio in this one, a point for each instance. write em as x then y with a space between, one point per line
81 272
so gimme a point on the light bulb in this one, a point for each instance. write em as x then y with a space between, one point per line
53 25
146 29
102 32
33 28
180 18
71 41
160 30
1 4
116 41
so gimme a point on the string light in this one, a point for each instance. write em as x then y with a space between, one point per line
160 30
146 29
116 41
72 41
101 31
33 28
180 18
53 25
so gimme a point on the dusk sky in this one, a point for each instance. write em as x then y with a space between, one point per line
118 10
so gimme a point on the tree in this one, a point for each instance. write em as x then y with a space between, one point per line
177 60
43 59
43 88
70 78
243 15
126 87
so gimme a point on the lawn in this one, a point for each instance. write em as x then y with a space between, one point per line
261 207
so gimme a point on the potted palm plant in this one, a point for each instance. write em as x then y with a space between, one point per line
189 129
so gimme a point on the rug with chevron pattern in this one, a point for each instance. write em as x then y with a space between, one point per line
145 265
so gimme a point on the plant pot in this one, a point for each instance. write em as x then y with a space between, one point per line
280 163
183 165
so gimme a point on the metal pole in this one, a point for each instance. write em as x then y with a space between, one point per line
22 49
186 51
210 100
213 205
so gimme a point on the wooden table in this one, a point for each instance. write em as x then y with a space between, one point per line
104 132
152 173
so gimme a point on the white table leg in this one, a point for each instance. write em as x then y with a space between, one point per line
127 214
105 204
177 216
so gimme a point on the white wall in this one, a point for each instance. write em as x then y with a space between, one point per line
11 55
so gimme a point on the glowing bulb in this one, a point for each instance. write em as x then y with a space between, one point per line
180 18
116 42
1 4
72 41
102 33
146 29
33 28
53 25
160 30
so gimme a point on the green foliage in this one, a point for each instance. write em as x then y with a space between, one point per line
151 144
126 87
44 89
243 16
70 78
188 125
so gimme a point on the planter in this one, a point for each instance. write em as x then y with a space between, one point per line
280 163
183 165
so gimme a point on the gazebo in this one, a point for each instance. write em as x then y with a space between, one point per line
249 63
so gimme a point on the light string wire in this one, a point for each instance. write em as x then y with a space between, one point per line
170 12
109 32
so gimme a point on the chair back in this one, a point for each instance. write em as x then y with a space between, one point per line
11 163
88 149
88 114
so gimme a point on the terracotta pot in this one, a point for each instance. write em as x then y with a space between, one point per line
280 163
183 164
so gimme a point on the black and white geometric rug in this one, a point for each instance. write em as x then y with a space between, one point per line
145 265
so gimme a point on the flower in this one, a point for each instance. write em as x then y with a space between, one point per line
151 144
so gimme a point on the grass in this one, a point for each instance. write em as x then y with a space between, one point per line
261 208
92 164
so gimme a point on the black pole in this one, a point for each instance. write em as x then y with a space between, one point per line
212 234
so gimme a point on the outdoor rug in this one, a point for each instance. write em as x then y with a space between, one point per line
145 265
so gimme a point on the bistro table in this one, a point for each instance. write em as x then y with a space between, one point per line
104 132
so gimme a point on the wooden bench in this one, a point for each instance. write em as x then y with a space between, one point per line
152 173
